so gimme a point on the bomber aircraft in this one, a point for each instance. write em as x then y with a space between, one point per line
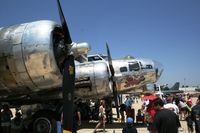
31 65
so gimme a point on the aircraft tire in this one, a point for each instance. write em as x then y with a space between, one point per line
44 123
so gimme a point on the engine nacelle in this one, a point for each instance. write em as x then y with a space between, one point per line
30 57
92 80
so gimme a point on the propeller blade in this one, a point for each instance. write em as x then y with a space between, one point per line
114 87
68 93
108 53
67 36
68 77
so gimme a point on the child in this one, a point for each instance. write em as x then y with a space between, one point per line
130 128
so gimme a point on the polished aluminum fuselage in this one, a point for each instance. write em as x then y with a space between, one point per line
93 78
30 66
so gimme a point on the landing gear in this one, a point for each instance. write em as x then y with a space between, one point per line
44 122
42 125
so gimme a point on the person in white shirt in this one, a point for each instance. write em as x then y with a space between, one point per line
171 106
102 117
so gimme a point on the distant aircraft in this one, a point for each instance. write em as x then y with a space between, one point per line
174 87
31 66
197 89
173 90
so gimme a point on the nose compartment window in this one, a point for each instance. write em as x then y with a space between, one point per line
149 67
123 69
134 67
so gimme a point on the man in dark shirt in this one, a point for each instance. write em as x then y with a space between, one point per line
130 128
166 121
195 114
76 117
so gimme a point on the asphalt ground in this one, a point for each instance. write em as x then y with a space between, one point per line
117 128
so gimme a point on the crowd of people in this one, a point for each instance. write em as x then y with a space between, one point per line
161 115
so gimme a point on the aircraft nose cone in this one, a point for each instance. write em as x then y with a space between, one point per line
158 69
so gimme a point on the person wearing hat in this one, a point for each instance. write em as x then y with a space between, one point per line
129 128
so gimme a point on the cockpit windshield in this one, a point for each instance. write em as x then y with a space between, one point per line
97 57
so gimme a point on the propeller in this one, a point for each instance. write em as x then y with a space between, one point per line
114 87
65 29
68 77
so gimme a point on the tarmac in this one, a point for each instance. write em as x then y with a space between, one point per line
116 127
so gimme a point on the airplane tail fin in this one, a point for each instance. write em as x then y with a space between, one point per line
176 86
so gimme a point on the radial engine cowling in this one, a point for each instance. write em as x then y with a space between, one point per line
92 80
30 55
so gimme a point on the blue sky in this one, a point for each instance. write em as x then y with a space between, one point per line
164 30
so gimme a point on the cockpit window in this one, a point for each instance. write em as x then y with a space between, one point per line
97 57
149 67
94 58
134 67
123 69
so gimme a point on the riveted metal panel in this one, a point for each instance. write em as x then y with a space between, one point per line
38 55
92 80
27 58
